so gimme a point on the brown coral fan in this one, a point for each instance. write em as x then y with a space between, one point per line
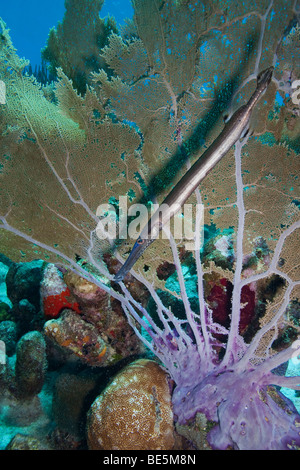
134 411
100 335
106 314
167 84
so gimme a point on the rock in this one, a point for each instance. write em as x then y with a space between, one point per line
87 294
22 442
23 281
134 412
70 402
4 267
22 412
62 440
5 311
195 432
31 364
100 335
106 314
23 289
81 338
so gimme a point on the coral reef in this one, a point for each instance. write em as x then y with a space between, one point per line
21 442
5 311
134 412
81 338
23 371
90 325
22 282
22 378
5 303
83 325
55 294
100 310
196 431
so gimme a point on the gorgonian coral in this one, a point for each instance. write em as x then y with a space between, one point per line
76 43
133 134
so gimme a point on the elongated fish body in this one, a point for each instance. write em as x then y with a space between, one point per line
193 177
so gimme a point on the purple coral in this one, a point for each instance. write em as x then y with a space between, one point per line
248 413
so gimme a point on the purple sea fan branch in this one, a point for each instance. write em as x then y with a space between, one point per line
174 353
165 315
247 413
276 256
290 382
130 301
207 346
133 317
231 391
271 363
232 350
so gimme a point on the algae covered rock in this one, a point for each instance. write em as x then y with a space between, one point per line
31 364
71 401
134 412
23 280
8 334
23 289
96 331
71 333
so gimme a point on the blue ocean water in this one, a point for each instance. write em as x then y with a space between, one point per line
29 22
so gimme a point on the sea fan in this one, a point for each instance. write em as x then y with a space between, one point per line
221 319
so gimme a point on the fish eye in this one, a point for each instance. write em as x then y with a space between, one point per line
140 241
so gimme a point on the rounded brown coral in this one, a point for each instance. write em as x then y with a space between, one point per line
134 412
